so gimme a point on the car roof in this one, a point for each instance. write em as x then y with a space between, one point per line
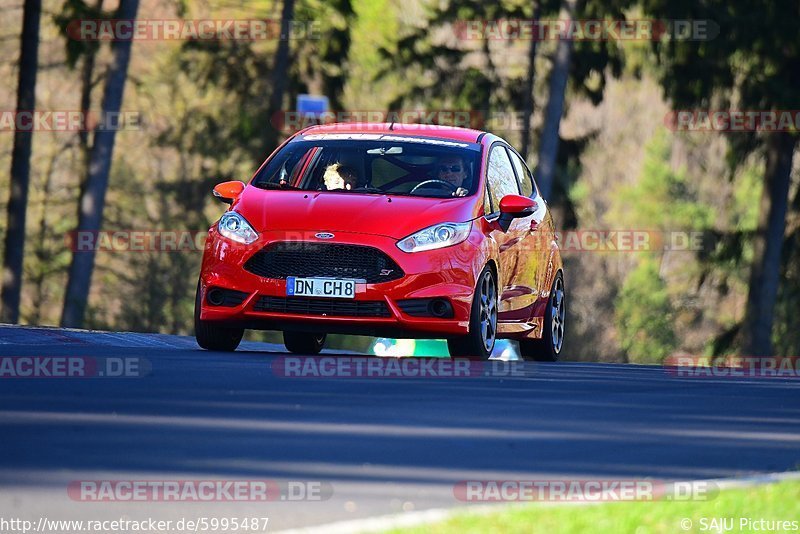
453 133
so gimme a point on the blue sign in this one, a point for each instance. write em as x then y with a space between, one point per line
311 105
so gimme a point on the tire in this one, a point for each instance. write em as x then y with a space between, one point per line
479 342
548 348
212 337
303 342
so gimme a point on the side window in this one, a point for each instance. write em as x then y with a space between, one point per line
285 166
500 176
523 175
487 203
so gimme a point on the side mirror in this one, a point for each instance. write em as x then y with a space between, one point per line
228 192
513 207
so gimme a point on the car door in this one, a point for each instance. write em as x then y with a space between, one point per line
535 247
502 181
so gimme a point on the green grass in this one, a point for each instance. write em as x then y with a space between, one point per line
779 501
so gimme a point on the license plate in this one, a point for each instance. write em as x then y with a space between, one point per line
321 287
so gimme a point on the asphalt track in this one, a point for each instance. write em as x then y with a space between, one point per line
378 445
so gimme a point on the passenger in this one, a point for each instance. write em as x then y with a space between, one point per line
338 176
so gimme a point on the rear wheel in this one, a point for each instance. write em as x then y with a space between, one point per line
211 336
548 348
303 342
479 343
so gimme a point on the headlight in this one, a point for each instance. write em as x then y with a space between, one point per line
235 227
437 236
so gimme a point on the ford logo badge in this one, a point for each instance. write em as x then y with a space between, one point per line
324 235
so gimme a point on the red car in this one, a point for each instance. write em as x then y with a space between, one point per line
393 230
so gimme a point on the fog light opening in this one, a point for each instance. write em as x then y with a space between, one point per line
216 297
440 308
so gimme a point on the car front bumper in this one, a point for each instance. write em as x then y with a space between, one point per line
443 274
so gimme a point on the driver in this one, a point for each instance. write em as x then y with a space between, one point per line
451 169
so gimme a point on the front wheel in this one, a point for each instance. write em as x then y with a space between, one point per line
479 342
548 348
211 336
303 342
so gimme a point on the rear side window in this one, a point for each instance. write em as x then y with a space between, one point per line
500 176
523 174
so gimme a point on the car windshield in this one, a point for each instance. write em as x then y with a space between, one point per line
379 164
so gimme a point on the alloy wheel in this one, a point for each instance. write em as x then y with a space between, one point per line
488 311
558 311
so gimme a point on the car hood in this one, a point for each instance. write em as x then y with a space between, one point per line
318 211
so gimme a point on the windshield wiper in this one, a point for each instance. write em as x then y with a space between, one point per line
273 185
370 189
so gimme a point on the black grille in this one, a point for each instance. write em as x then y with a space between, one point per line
314 306
439 307
217 296
305 259
415 307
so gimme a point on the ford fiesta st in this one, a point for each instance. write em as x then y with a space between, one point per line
404 231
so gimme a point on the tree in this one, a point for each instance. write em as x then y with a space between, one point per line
645 308
280 69
548 144
14 248
527 97
787 335
765 275
320 63
92 198
442 74
313 62
756 66
644 315
86 50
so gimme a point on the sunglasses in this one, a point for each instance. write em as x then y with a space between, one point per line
450 168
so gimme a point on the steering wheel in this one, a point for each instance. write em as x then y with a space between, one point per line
446 185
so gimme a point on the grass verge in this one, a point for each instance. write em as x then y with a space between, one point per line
753 509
